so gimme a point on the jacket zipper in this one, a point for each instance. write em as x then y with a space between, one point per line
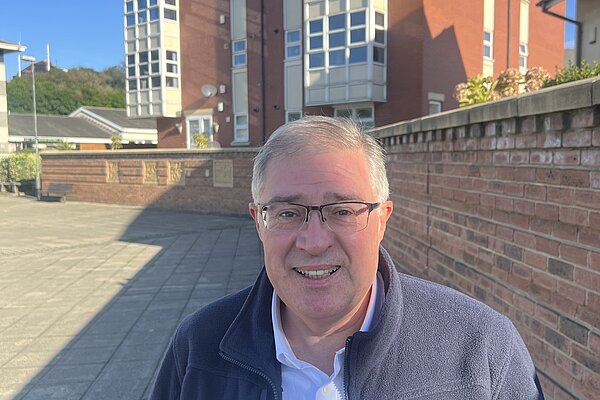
344 380
253 370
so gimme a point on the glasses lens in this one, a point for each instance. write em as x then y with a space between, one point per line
346 217
283 216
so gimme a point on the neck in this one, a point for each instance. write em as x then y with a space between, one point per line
317 342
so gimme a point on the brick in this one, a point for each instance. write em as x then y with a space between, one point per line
529 124
514 189
568 365
503 263
519 157
549 140
536 192
514 252
589 316
547 315
589 237
547 246
546 211
560 195
566 157
505 142
524 239
595 180
504 204
505 233
595 260
541 225
575 178
526 141
555 339
571 292
501 157
554 122
589 387
536 260
587 278
587 198
574 254
584 118
524 207
585 357
549 175
594 343
564 231
596 137
541 157
560 268
573 216
590 158
579 138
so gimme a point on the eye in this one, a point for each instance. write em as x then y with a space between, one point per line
341 212
287 214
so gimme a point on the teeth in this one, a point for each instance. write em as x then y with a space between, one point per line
322 273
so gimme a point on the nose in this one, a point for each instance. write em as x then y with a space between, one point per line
315 237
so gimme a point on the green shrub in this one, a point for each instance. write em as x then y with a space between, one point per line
201 140
4 168
21 166
574 73
115 142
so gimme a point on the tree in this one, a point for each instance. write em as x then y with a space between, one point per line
60 92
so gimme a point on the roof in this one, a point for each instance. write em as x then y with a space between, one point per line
8 47
54 126
117 117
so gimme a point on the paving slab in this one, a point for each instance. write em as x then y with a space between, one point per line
91 293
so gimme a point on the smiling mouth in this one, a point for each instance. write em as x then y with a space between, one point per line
317 274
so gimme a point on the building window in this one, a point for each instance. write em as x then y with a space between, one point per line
170 14
154 14
488 42
171 2
362 115
523 55
292 44
293 116
172 82
239 53
199 125
129 6
435 106
379 43
241 129
131 20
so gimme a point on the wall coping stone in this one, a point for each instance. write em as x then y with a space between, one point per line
152 153
569 96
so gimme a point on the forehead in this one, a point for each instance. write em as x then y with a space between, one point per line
329 175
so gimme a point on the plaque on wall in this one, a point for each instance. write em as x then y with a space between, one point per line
223 173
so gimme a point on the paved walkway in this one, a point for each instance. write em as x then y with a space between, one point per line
90 294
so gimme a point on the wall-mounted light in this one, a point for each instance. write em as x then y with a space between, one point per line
222 89
179 127
216 127
220 106
222 19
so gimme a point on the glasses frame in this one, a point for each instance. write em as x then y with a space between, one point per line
263 213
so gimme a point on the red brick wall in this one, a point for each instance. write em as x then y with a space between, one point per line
89 173
508 211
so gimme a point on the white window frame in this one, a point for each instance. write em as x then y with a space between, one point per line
293 44
523 56
200 119
437 104
236 53
489 44
237 127
354 109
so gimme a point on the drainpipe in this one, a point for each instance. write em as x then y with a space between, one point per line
262 70
545 9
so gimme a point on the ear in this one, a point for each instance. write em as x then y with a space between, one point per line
385 212
253 209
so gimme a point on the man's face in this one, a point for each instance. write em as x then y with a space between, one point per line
315 179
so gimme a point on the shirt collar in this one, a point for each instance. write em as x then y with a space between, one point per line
284 351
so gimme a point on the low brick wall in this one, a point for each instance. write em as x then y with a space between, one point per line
502 201
195 180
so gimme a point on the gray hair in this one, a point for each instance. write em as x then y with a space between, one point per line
313 134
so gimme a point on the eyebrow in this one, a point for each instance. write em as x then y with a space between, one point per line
329 195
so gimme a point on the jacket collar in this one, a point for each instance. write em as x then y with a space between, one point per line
249 339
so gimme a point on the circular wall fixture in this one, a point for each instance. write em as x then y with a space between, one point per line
208 90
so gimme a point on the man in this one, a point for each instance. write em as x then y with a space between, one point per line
329 317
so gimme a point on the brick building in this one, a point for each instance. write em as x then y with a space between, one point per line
235 70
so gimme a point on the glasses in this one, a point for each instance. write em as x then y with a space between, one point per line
340 217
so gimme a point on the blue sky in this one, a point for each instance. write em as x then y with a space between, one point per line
80 32
83 33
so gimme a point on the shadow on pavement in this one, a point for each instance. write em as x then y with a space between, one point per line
92 293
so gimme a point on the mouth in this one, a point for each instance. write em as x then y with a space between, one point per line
317 273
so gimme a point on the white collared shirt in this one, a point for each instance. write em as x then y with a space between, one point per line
301 380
